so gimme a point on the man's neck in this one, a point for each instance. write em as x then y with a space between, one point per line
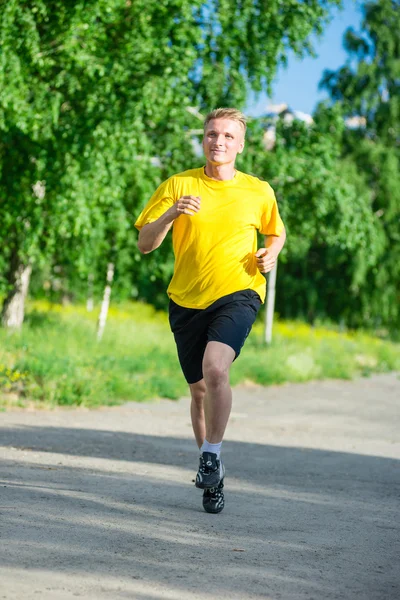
220 172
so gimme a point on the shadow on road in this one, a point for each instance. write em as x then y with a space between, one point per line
299 523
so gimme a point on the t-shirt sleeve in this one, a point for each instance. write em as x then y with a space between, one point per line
159 203
271 222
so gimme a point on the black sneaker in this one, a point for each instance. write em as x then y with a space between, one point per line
210 472
213 499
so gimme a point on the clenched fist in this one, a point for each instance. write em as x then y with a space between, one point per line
187 205
266 260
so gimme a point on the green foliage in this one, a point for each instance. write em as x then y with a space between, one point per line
60 362
93 93
368 87
96 109
57 361
333 236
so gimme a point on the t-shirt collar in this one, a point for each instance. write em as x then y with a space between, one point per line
216 182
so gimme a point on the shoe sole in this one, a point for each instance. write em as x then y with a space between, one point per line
207 486
213 512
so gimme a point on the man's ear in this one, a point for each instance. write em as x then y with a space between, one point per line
241 148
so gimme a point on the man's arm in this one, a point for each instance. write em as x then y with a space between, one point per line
266 257
153 234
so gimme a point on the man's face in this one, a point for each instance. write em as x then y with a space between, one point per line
223 140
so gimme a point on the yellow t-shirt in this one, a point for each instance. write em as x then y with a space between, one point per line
214 249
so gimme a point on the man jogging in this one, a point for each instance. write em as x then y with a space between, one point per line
217 287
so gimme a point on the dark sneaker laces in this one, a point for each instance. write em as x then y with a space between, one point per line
209 473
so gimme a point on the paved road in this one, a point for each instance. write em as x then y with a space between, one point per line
101 504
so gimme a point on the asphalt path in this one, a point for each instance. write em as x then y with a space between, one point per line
101 504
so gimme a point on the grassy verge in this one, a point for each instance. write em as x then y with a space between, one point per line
56 359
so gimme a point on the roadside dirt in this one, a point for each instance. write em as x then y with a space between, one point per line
101 505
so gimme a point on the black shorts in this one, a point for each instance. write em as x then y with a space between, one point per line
228 320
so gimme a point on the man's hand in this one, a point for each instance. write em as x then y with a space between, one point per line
266 259
152 234
187 205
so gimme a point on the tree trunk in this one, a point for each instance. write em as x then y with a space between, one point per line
269 311
14 305
106 302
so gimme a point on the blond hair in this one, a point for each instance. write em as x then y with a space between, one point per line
226 113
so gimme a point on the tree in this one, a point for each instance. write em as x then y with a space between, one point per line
89 88
333 236
367 88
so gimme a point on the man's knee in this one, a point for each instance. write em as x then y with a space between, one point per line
215 375
198 391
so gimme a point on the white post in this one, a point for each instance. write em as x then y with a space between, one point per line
269 310
106 302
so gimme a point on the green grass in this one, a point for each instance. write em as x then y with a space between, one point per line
56 360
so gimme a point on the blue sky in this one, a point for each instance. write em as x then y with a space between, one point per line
297 85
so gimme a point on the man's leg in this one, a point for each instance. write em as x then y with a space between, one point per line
213 499
198 392
212 408
217 401
217 360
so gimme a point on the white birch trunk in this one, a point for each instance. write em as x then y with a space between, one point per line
14 306
269 311
89 301
106 302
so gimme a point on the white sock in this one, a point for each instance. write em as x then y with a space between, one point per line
214 448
